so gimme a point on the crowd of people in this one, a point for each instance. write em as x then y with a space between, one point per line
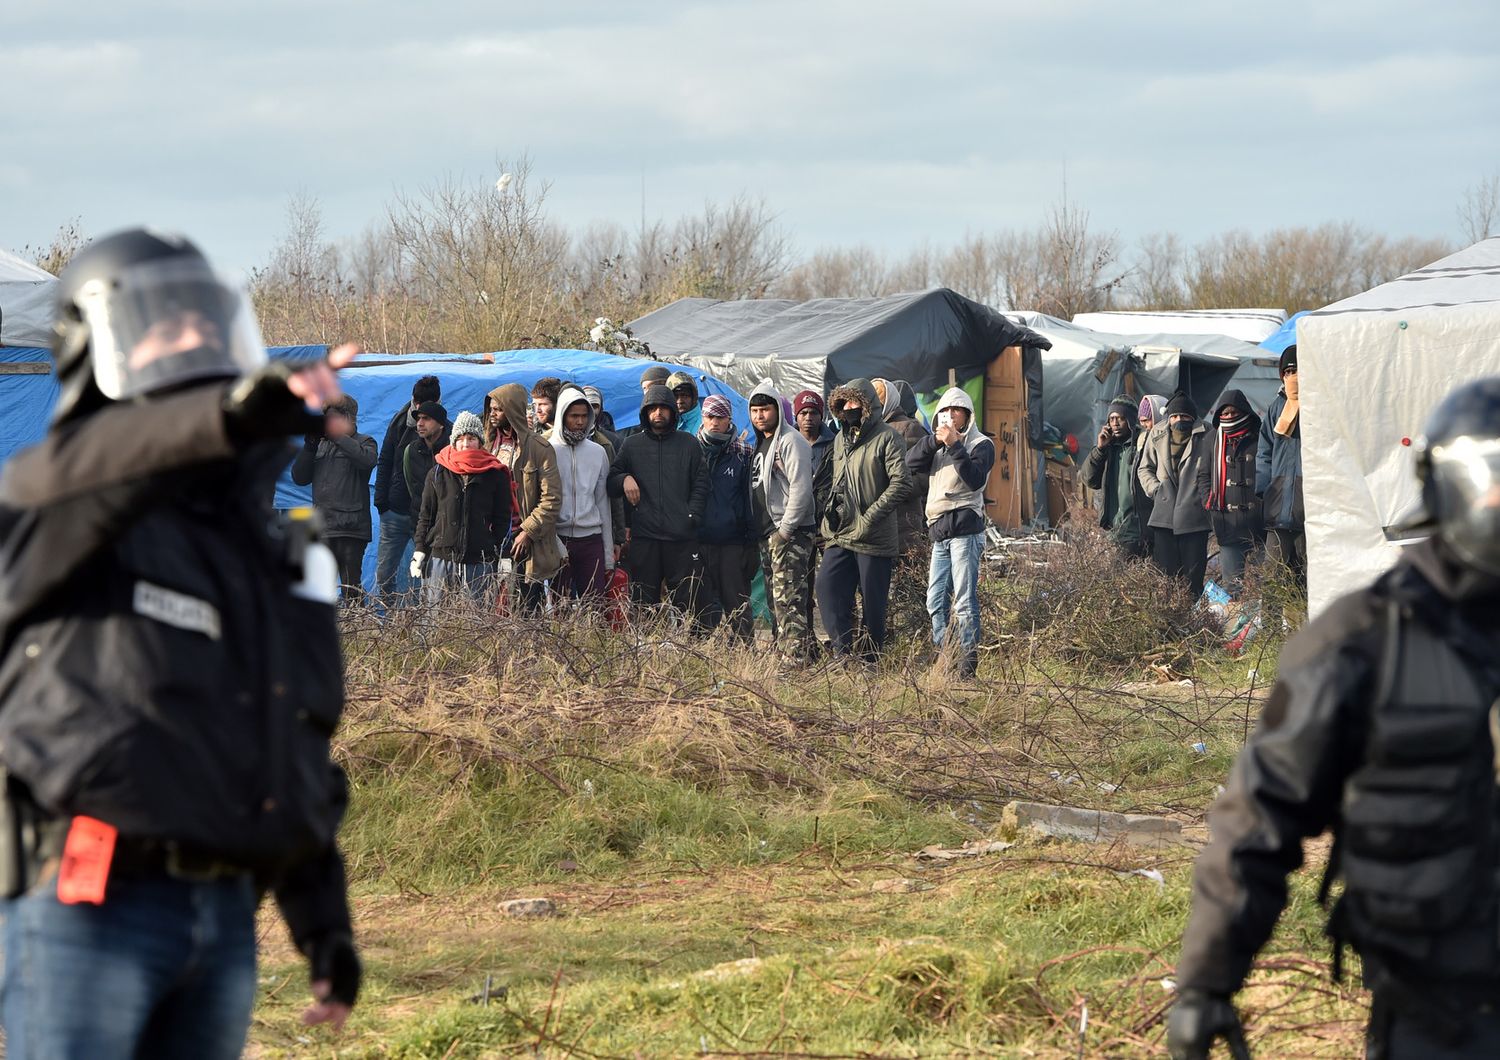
537 497
1166 479
828 499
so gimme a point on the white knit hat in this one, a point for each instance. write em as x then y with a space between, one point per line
467 423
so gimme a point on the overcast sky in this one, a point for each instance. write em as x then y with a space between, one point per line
869 121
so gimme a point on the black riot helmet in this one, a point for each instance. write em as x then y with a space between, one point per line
1458 463
142 311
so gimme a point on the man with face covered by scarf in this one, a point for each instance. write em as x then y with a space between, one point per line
1228 481
1170 474
870 481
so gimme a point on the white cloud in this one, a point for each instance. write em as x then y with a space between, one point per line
871 121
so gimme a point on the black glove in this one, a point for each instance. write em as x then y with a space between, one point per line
1197 1020
260 406
331 956
311 440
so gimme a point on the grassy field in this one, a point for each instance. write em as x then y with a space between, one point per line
733 854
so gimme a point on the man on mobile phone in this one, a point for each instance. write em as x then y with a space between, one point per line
957 458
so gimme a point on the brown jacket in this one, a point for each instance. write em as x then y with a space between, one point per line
538 484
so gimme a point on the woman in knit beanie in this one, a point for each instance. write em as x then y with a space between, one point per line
465 516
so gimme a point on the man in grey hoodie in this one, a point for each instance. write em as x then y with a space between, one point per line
782 496
957 458
584 525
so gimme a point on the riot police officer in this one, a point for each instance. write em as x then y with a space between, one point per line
170 675
1382 726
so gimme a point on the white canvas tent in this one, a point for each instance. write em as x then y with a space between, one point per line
1370 369
25 303
1247 325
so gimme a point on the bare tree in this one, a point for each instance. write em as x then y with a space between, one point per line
482 259
66 241
1480 209
1155 280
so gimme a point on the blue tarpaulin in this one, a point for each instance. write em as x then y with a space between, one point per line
382 383
1284 336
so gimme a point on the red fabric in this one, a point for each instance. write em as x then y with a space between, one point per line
467 461
617 597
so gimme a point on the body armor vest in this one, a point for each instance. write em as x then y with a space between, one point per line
1417 850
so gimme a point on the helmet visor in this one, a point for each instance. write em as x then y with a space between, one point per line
163 323
1466 484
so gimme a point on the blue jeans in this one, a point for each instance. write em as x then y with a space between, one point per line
164 968
954 575
393 554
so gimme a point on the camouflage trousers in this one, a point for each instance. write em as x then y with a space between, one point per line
786 565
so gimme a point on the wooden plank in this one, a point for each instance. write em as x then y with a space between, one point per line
25 367
1005 421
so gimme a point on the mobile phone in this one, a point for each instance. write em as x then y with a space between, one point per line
945 419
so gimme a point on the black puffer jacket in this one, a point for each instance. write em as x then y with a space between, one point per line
1314 738
160 667
464 518
339 471
671 473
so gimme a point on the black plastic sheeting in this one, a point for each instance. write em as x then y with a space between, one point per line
920 337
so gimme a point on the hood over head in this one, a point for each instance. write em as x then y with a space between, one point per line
510 398
908 398
658 394
1153 405
766 388
861 387
956 397
569 397
888 396
1234 399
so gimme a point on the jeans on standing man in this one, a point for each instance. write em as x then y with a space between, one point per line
958 457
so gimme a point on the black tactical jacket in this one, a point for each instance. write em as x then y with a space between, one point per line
1387 779
157 669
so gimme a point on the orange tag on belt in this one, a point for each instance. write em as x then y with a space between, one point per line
84 871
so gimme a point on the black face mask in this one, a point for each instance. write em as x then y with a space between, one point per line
851 418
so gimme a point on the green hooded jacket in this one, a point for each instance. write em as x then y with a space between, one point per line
870 479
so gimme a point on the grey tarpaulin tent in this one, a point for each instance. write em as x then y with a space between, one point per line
920 337
1086 368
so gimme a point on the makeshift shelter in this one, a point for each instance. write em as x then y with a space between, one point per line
1085 369
1371 368
1247 325
932 339
26 294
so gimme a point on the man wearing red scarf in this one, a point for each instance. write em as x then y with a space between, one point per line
1228 479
